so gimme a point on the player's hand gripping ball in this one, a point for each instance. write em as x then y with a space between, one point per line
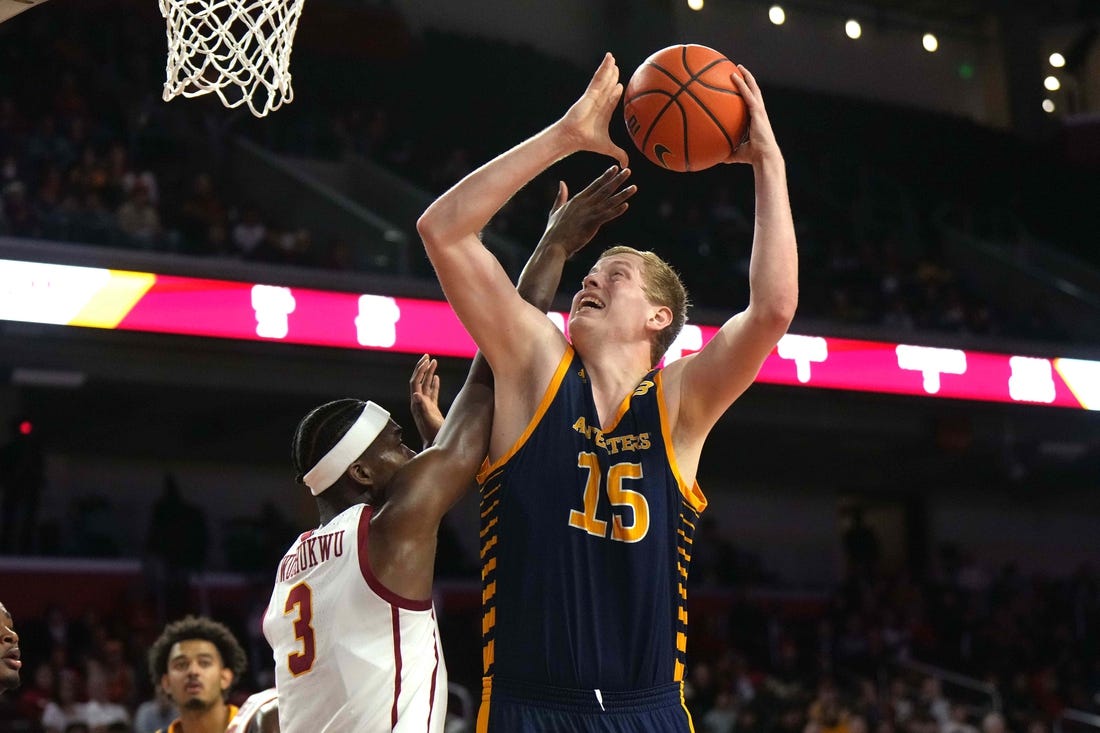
682 109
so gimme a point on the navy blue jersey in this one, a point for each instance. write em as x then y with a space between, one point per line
585 543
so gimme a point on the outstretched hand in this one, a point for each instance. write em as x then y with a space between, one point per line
587 120
573 222
760 142
424 399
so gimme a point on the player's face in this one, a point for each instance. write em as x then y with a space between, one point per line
10 663
197 677
388 453
612 301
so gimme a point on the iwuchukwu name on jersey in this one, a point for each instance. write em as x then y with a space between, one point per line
313 551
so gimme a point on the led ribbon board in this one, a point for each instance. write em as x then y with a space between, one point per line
140 301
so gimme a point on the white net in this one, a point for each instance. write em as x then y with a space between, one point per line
238 49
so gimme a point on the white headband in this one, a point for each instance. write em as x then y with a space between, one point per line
356 440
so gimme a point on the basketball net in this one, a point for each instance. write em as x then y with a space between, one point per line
238 49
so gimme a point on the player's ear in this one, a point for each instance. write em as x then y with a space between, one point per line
360 473
226 678
659 318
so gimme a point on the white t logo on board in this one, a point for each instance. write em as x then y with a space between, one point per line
931 362
1032 379
803 350
376 324
272 304
690 339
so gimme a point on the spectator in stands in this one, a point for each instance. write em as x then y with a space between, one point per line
994 723
65 710
18 212
93 222
99 711
861 546
196 662
200 212
177 545
139 219
121 687
249 232
959 721
33 698
155 714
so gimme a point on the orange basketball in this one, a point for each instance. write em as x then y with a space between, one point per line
682 109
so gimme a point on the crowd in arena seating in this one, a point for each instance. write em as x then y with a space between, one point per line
838 664
89 164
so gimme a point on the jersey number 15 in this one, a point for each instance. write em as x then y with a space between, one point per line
618 496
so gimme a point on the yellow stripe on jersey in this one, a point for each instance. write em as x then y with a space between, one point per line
488 546
483 710
491 508
489 592
693 495
547 398
489 567
492 523
489 620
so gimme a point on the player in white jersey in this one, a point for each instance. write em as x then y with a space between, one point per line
355 639
258 714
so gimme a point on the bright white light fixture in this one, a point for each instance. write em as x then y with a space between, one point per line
853 29
695 4
1052 84
777 15
1057 60
1048 105
930 42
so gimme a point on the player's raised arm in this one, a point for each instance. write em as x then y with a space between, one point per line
711 380
479 290
434 479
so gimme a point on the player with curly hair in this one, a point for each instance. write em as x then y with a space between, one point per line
196 661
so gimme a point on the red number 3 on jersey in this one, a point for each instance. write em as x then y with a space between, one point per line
301 596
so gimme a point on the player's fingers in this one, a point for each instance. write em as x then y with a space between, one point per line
598 184
606 74
746 91
418 370
435 385
614 212
622 196
750 80
610 182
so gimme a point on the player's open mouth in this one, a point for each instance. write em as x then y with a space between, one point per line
589 302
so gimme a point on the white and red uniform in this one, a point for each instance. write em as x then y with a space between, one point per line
263 700
349 654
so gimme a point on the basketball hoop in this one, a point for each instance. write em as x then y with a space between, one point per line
238 49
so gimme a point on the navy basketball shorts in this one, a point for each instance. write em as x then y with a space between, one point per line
508 706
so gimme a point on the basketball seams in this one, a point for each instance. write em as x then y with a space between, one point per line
694 77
